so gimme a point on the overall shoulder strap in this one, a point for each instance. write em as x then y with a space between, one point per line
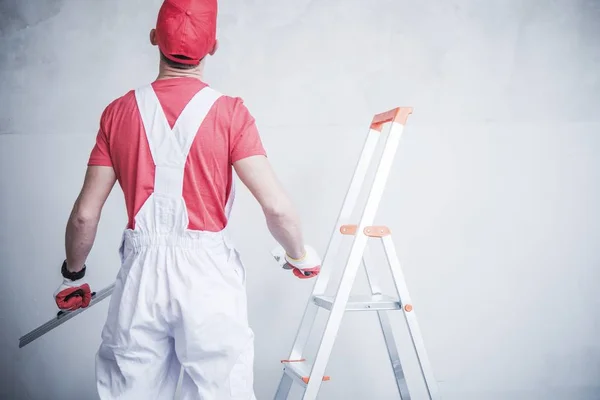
155 123
192 116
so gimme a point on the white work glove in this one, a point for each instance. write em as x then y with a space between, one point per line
306 267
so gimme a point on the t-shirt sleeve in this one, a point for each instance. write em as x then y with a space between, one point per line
100 154
244 137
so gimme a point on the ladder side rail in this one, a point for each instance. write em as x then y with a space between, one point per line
410 317
352 264
284 387
386 328
350 199
322 279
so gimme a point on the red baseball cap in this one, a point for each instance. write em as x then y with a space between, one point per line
186 28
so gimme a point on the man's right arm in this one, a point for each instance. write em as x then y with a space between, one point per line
282 219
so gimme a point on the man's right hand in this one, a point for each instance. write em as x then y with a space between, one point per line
74 292
308 266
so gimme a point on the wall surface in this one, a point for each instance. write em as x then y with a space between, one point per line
493 197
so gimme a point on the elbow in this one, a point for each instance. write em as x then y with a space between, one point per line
274 212
82 218
277 210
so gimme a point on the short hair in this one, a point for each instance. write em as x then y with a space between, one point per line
177 65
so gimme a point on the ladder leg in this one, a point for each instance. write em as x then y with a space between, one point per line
392 347
386 328
322 280
410 317
283 390
311 310
353 262
306 325
335 318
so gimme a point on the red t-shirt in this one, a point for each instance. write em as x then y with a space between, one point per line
227 134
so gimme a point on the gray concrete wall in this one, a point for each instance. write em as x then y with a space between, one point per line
493 198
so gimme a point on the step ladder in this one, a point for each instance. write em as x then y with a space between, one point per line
296 367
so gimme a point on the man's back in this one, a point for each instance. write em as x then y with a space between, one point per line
227 134
179 299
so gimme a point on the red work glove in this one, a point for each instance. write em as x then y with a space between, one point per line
74 292
306 267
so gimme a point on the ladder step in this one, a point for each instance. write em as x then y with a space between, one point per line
375 302
299 371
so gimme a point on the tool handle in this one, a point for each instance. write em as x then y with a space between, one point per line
279 255
62 312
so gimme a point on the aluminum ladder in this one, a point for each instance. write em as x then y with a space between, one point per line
296 367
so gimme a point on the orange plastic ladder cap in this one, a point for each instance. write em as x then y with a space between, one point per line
402 115
398 114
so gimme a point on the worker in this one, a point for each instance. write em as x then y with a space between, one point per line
179 298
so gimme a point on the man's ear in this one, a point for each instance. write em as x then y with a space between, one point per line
215 47
153 37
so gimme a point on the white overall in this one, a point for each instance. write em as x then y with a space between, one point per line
179 297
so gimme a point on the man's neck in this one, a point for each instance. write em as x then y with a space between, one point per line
167 72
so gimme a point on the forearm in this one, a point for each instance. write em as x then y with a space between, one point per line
285 227
79 239
280 213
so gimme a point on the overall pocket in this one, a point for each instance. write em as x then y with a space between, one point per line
235 260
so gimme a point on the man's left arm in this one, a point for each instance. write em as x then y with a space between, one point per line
84 218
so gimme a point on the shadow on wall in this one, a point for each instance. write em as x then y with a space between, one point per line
21 14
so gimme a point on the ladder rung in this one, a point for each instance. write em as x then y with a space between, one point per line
299 370
377 231
373 302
